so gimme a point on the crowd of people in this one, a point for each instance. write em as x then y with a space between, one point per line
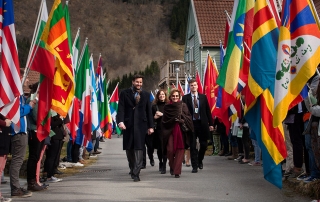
15 141
178 127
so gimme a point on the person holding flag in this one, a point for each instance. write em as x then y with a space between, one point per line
135 119
202 121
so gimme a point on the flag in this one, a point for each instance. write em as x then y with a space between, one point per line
180 89
100 78
10 83
151 97
38 58
298 55
200 86
67 18
186 85
210 83
261 86
83 94
94 102
106 119
74 118
233 59
75 52
114 100
55 36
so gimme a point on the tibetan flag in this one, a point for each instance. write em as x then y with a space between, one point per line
114 100
229 73
298 55
55 36
10 83
261 86
200 86
83 94
210 83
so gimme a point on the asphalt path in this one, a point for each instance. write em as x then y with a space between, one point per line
108 180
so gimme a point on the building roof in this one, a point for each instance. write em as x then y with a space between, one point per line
32 77
212 18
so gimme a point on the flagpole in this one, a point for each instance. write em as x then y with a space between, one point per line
82 52
315 13
36 30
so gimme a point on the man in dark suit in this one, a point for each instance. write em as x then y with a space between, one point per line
135 119
202 121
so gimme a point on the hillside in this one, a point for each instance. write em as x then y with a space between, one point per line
128 36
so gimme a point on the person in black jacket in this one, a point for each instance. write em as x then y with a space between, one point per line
202 121
157 111
134 118
54 149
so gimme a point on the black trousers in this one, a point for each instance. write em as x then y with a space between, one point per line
197 156
35 147
52 155
135 158
75 152
149 150
224 142
297 140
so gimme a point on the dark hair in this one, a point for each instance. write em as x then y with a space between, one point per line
174 90
137 76
34 87
156 98
192 81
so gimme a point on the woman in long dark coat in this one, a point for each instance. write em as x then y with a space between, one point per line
157 111
174 139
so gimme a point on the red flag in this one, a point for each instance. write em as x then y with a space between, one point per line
181 89
210 83
200 86
74 118
10 83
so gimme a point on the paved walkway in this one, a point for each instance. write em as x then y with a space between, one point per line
108 180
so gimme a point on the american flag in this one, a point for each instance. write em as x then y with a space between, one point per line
10 83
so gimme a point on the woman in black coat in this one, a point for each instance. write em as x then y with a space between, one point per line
157 111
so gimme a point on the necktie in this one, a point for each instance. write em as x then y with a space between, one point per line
195 107
137 97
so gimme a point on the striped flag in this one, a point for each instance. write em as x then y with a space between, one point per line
75 52
180 88
83 94
10 83
100 78
298 55
94 102
106 119
261 86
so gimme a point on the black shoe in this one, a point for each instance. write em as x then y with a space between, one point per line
200 165
56 171
228 154
176 176
45 185
3 182
101 140
194 170
152 162
143 167
136 178
171 171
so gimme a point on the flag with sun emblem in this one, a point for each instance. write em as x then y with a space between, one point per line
233 58
298 55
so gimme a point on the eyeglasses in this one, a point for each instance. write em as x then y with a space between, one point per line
174 95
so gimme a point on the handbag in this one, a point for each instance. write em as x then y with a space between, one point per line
183 125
